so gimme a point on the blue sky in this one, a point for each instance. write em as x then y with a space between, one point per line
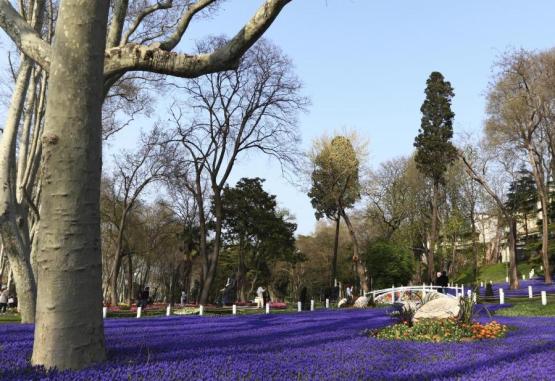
364 64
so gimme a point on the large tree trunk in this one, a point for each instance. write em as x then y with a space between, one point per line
212 263
474 245
129 279
18 249
433 233
210 273
116 265
118 257
545 239
241 272
537 171
359 264
24 279
69 328
513 275
335 248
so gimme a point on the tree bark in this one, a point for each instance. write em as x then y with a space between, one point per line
22 275
69 328
513 274
359 264
241 272
474 244
542 191
433 233
129 279
545 238
210 273
335 248
117 260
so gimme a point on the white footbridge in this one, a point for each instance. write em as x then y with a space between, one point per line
397 294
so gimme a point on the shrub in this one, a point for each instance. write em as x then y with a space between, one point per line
466 310
389 263
440 330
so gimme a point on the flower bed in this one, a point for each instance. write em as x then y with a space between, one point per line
278 305
445 330
321 345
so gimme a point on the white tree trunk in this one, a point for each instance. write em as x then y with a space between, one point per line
69 328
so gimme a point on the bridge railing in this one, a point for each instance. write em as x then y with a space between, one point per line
396 293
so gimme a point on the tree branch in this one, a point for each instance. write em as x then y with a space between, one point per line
116 26
24 36
153 58
183 23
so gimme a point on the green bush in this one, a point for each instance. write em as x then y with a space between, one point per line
388 264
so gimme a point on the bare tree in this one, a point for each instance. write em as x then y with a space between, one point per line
134 171
20 153
389 192
518 107
252 108
478 171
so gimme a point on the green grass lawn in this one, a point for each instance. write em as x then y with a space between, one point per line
529 308
10 318
496 273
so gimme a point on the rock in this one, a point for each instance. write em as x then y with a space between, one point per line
342 303
440 308
361 302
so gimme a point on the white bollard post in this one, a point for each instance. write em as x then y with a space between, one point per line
482 284
462 289
530 293
234 309
169 310
201 310
544 298
267 308
327 303
139 312
104 312
312 305
299 306
501 296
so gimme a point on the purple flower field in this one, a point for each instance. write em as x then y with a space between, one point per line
537 284
322 345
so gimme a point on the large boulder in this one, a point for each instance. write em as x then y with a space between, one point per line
361 302
440 308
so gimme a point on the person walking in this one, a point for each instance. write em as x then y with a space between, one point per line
183 297
443 282
349 293
3 300
260 297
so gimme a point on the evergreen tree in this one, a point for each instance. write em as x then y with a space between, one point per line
522 197
261 233
434 150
